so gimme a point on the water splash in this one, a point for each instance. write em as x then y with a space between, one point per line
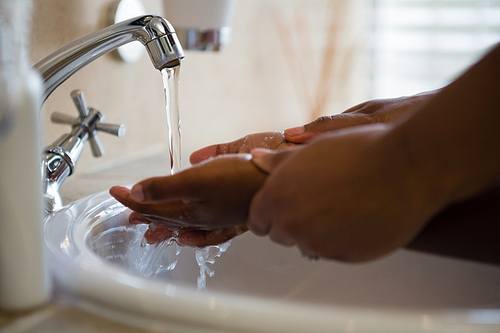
153 260
148 260
206 255
125 246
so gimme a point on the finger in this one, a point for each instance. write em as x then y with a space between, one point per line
169 222
137 218
158 235
195 183
324 124
266 160
278 237
201 238
183 185
119 192
206 153
203 154
175 213
123 195
259 221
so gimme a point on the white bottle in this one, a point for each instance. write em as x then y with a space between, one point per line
24 280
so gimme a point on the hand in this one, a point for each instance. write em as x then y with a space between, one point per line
267 140
345 196
207 203
375 111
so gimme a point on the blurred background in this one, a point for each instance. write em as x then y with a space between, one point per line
289 62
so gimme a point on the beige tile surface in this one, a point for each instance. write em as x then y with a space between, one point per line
125 171
249 87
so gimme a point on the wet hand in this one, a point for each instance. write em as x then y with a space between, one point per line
161 230
267 140
210 200
185 236
349 195
371 112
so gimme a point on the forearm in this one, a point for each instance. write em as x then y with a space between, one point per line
466 230
452 145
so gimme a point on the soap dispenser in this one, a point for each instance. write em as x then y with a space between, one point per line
24 280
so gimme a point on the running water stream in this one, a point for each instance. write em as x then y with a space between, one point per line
147 258
170 78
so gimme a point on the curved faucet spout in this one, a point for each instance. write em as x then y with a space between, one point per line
160 40
154 32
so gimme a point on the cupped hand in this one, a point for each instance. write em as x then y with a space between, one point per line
349 195
208 202
162 230
185 236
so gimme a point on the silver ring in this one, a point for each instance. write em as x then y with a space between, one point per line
309 257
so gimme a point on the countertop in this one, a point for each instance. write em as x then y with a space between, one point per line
61 315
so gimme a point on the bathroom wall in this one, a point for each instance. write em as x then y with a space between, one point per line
289 62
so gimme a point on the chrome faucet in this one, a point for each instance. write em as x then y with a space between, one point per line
60 158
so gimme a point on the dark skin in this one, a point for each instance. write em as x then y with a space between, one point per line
467 230
198 204
371 112
425 178
376 111
450 233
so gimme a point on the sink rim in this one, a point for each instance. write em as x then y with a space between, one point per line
112 292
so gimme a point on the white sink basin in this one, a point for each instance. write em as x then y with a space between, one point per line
262 287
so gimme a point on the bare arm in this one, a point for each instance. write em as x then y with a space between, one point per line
370 192
361 192
469 229
464 140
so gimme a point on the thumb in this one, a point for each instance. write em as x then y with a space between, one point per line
266 160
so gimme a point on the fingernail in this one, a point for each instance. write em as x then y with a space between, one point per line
259 161
135 220
295 131
260 152
136 193
186 238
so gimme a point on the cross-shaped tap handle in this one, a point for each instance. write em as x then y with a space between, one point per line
91 120
80 103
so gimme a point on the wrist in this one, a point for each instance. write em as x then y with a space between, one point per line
419 173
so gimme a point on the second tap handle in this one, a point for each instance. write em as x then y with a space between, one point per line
96 145
80 103
61 118
118 130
